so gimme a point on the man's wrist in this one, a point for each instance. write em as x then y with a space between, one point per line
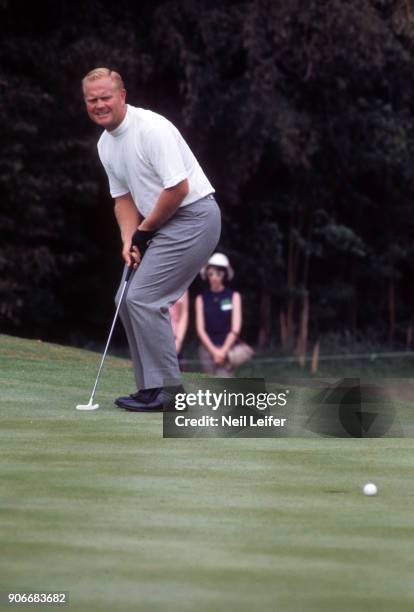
146 227
141 240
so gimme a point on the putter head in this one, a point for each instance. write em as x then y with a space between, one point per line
89 406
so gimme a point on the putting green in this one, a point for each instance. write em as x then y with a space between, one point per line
100 505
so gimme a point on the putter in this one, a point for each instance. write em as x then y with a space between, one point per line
90 405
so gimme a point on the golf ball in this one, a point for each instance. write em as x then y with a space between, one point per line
369 489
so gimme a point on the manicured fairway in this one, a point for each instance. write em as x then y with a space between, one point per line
100 505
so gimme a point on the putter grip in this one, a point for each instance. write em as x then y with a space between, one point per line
129 272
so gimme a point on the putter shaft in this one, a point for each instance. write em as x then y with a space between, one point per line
127 277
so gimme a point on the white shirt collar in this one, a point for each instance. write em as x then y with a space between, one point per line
123 126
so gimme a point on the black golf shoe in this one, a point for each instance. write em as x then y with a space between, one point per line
143 396
151 400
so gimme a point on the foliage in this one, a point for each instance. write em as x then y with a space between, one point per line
301 115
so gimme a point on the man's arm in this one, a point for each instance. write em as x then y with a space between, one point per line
168 202
128 219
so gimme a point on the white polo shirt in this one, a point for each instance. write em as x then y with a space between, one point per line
146 154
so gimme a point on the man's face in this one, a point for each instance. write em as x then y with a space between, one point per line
105 102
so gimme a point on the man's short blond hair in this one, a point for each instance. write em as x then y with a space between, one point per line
102 73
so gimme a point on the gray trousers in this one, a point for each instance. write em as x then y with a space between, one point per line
173 259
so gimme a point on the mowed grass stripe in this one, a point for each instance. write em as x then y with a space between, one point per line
101 505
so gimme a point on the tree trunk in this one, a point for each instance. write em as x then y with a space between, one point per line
391 310
354 302
303 333
265 319
409 337
304 319
354 312
283 329
315 357
291 280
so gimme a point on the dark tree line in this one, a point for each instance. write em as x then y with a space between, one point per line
302 116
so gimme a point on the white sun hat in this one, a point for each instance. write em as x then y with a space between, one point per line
218 260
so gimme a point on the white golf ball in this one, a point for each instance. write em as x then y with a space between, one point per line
370 489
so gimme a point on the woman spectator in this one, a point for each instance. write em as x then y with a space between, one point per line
218 317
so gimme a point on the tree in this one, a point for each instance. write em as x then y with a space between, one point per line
300 113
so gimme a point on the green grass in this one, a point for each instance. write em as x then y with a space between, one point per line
100 505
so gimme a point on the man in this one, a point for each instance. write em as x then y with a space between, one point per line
169 223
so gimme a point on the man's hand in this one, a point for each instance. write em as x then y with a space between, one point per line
135 257
140 242
130 255
126 253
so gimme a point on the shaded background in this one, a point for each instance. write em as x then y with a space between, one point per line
301 115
